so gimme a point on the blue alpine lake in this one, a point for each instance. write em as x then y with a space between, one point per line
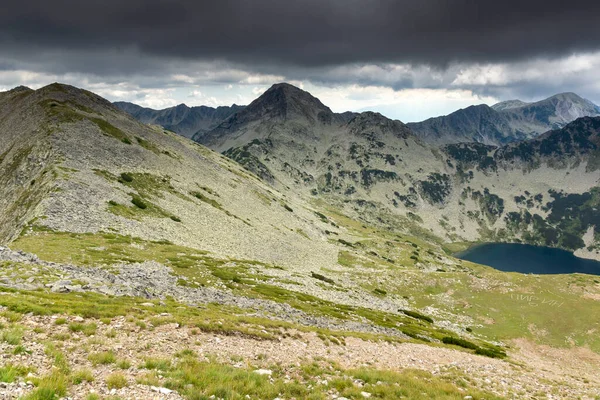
514 257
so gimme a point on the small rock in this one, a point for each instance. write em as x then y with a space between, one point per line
366 395
263 371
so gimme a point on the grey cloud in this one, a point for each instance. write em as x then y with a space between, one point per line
307 32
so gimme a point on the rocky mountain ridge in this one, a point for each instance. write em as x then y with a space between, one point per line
181 119
505 122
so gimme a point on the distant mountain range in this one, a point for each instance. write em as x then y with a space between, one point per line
502 123
505 122
181 119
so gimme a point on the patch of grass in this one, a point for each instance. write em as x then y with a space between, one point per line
148 145
111 130
82 375
50 387
102 358
20 349
59 360
86 329
12 336
123 364
12 316
10 372
116 380
160 364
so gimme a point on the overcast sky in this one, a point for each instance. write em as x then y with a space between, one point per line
407 59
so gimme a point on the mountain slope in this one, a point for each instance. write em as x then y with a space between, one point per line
379 170
505 122
133 246
181 119
480 124
64 152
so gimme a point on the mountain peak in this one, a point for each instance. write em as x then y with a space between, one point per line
287 102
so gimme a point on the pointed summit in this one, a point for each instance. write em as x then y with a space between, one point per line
287 102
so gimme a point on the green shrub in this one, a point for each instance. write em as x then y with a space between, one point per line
417 315
176 219
492 353
138 202
322 278
459 342
126 177
126 141
379 291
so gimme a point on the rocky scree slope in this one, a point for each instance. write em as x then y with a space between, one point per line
379 170
73 162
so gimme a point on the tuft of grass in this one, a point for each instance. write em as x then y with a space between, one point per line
12 336
60 321
116 380
20 349
82 375
102 358
59 359
49 387
123 364
160 364
86 329
9 372
12 316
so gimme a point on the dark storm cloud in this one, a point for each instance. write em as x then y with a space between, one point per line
306 33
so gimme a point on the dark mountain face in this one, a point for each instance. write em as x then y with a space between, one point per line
282 105
181 119
479 123
505 122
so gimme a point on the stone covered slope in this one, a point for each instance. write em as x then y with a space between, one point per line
73 162
505 122
181 119
378 170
